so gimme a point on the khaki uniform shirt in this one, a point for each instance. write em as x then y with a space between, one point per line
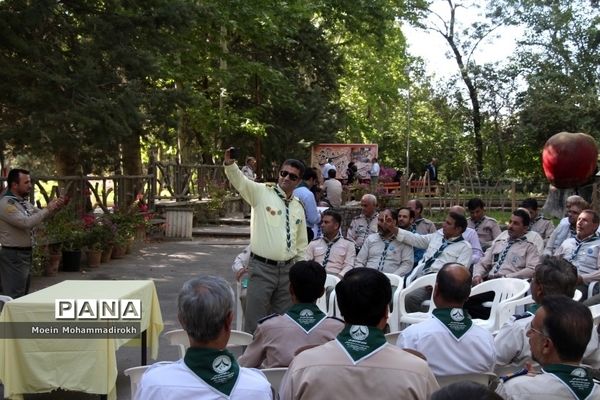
543 226
326 372
398 258
487 229
561 233
586 260
17 220
520 261
268 232
341 256
360 228
531 236
277 339
512 343
539 387
424 226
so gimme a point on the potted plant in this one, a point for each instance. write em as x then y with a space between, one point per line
97 237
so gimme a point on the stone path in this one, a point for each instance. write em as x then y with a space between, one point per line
169 264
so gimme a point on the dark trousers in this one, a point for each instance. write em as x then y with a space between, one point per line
475 305
15 270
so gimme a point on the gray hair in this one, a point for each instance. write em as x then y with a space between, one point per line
203 305
370 198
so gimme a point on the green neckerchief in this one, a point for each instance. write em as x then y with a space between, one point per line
307 315
217 368
456 320
577 379
360 341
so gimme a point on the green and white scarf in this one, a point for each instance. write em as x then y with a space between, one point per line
307 316
577 379
217 368
360 342
456 320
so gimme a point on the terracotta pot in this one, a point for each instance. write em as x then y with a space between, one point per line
71 260
119 251
52 264
106 254
94 257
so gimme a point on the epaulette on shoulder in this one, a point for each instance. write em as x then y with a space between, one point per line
263 319
521 316
270 184
11 201
336 318
508 377
492 219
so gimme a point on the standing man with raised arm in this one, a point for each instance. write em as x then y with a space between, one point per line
278 237
18 218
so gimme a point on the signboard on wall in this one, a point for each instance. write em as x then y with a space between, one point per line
342 155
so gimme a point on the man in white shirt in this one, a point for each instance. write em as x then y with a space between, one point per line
328 166
470 236
208 370
449 340
374 173
332 189
442 248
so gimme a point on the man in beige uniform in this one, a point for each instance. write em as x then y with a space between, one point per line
359 364
422 226
18 217
558 335
278 237
515 257
539 223
366 223
332 251
487 228
278 337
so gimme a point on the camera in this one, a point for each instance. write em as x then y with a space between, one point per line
234 153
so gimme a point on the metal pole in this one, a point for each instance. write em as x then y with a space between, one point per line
407 173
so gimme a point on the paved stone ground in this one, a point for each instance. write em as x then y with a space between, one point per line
169 264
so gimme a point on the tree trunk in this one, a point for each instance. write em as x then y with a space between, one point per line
132 165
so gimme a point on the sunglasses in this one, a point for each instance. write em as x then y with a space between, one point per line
293 177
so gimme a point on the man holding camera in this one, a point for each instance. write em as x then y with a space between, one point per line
278 237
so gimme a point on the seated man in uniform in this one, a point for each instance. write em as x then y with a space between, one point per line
447 246
278 337
383 251
449 341
359 364
516 257
332 251
487 228
539 223
364 224
406 219
470 236
422 225
566 227
208 370
554 276
558 335
583 250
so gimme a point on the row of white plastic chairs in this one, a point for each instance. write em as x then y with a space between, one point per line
506 290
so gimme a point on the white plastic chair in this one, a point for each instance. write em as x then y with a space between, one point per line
398 282
135 375
236 343
482 378
274 376
392 337
578 295
239 311
595 309
334 310
330 282
406 318
505 289
4 299
591 287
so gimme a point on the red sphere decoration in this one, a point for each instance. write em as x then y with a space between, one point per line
569 159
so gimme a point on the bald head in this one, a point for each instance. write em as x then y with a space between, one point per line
459 210
452 286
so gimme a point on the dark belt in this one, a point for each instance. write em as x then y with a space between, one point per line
17 248
271 262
